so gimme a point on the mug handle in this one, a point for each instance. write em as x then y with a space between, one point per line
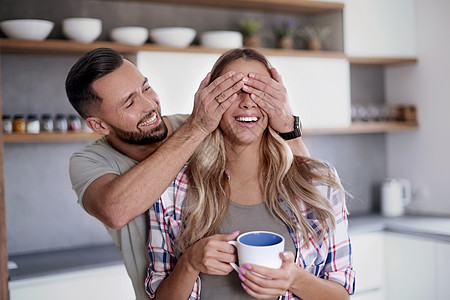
235 267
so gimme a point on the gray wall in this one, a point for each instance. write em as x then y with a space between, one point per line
42 212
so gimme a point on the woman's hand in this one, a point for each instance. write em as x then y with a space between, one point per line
212 255
270 94
268 282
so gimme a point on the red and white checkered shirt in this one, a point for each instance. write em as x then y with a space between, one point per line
329 258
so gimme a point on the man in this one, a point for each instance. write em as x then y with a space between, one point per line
118 177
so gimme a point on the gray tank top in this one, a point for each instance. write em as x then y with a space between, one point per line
243 218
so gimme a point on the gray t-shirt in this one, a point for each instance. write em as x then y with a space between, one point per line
99 159
244 218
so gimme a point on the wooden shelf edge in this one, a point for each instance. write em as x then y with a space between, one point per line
48 137
355 128
290 6
381 60
17 46
364 128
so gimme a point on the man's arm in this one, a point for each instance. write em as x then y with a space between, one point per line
116 200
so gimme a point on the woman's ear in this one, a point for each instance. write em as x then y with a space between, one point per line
97 125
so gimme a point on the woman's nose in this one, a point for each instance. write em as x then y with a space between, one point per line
246 101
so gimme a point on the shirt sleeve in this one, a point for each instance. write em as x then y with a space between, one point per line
338 265
164 222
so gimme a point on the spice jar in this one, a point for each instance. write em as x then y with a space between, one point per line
7 124
74 123
46 123
33 125
19 124
61 124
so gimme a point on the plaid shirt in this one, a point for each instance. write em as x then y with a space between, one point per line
329 258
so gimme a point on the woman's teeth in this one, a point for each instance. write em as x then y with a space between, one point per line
149 121
246 119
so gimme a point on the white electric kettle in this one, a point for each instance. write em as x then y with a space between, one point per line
395 196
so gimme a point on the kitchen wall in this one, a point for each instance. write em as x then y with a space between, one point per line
42 212
422 156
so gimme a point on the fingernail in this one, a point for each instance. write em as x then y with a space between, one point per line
245 79
284 253
241 277
237 231
251 75
241 270
247 266
243 286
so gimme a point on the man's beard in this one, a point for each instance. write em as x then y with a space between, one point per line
157 134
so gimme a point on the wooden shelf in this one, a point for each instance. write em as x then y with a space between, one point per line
70 47
355 128
49 137
364 128
288 6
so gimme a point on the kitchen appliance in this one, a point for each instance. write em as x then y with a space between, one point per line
395 196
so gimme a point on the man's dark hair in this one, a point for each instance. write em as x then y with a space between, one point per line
89 68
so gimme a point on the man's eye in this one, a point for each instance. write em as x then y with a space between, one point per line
147 88
129 104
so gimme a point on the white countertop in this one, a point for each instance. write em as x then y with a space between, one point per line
433 227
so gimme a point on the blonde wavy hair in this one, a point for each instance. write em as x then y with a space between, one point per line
283 175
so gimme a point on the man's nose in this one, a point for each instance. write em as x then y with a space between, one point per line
148 103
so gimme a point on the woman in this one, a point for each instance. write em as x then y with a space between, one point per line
244 177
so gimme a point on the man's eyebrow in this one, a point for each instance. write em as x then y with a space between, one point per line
126 98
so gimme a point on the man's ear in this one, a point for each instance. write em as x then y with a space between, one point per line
97 125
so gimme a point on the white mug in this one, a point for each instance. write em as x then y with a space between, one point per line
260 248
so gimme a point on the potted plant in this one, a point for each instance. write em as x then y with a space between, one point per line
285 31
314 36
250 30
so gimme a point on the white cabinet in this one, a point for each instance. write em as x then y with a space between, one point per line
368 261
443 270
318 88
380 28
100 283
411 267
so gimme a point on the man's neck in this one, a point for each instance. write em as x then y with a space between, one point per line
136 152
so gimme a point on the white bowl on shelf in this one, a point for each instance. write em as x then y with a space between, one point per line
221 39
178 37
130 35
83 30
29 29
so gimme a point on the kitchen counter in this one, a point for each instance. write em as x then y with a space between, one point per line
62 261
47 263
425 226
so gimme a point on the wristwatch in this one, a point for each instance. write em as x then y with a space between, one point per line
297 132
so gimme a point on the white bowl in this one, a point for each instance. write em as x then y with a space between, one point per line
130 35
178 37
30 29
83 30
221 39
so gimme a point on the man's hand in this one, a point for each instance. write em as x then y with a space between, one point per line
213 99
270 94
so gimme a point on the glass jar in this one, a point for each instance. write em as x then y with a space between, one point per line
7 124
61 124
46 123
19 124
74 123
33 126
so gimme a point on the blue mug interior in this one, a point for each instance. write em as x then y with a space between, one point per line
260 239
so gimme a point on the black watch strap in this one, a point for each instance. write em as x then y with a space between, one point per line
297 132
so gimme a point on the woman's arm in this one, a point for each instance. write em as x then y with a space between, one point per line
211 255
290 277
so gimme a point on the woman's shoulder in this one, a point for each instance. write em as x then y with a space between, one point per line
175 194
